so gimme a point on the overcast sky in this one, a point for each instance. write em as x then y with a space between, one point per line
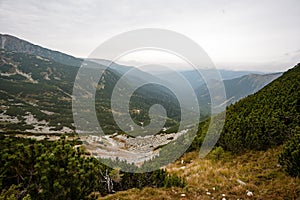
237 34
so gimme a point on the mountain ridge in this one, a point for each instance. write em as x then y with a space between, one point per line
16 44
33 64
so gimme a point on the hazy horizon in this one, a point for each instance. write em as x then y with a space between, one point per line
247 35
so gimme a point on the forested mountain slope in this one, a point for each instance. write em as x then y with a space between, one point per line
266 118
36 95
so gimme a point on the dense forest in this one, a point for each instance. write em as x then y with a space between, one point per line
266 118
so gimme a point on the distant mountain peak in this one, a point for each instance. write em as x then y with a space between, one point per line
12 43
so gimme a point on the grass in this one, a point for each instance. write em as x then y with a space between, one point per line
216 179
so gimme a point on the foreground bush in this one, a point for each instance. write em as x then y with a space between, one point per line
290 157
58 170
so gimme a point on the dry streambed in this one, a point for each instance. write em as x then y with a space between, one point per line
131 149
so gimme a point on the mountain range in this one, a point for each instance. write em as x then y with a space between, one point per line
37 83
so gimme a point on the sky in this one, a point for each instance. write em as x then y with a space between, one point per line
256 35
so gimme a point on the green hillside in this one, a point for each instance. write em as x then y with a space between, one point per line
266 118
40 89
32 84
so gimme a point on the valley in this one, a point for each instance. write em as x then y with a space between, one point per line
46 155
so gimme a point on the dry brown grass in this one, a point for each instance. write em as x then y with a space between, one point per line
258 170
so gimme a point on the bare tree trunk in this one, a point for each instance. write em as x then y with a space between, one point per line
109 182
